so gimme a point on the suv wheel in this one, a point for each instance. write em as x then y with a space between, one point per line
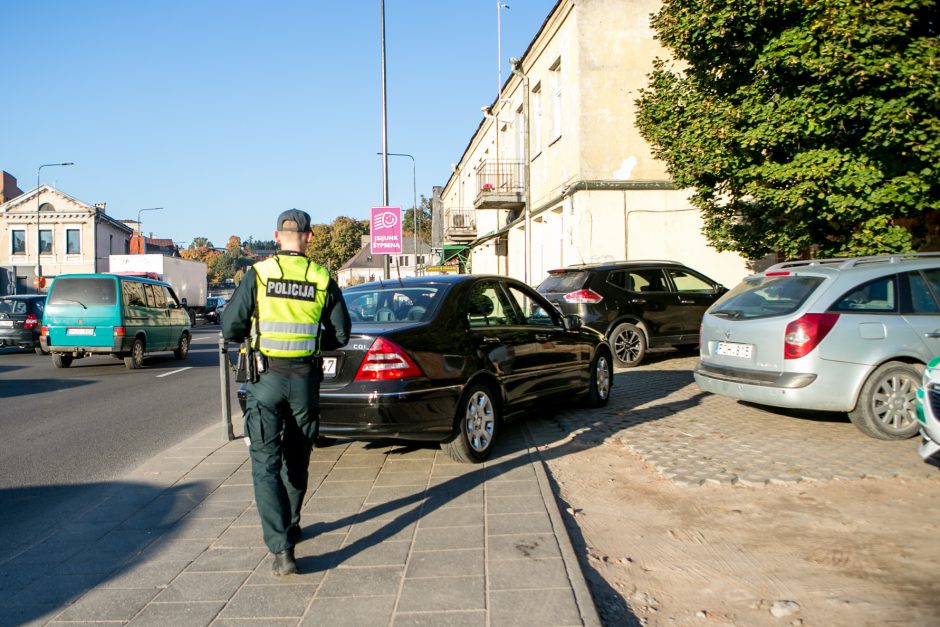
886 406
628 343
135 359
61 361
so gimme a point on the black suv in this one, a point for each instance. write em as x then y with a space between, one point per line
21 321
635 304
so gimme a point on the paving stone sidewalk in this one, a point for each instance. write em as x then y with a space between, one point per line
694 438
394 535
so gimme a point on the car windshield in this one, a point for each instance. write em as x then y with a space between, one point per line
563 282
83 291
391 304
765 297
11 306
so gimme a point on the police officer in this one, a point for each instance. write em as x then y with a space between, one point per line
290 309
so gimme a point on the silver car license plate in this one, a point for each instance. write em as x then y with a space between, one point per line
329 367
734 349
76 331
6 323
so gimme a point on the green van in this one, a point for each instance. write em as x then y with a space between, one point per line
124 316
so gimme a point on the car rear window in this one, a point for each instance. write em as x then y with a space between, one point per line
563 282
391 304
13 306
766 297
85 291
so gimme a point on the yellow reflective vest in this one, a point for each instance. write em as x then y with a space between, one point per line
291 296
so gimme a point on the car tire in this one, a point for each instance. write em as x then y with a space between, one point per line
602 377
192 317
886 407
135 359
183 350
61 361
477 422
628 343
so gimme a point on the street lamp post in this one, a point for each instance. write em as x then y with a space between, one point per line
38 231
414 195
517 70
140 227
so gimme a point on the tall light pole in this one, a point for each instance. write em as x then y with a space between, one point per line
517 70
385 265
140 227
38 232
414 194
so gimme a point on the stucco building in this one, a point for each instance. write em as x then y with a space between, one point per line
562 140
74 237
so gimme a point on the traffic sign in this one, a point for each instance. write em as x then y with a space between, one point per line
386 230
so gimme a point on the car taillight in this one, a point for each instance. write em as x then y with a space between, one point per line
805 333
119 332
31 321
386 360
589 297
44 332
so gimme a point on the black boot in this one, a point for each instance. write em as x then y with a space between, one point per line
284 563
295 534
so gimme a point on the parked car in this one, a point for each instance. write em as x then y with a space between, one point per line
21 321
845 335
124 316
928 411
636 305
214 307
449 358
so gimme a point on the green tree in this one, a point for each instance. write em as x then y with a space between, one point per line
424 220
802 127
333 245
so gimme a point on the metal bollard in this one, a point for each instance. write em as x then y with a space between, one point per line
226 391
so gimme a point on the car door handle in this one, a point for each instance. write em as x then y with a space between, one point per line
491 340
638 301
686 302
935 334
541 337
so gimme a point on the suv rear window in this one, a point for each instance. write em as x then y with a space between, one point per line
765 297
563 282
86 292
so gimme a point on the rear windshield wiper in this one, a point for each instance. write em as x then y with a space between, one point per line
72 300
734 314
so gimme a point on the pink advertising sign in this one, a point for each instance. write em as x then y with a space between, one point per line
386 230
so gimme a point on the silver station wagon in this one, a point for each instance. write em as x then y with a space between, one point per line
845 335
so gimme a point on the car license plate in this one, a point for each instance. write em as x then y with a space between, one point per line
733 349
6 323
74 331
329 367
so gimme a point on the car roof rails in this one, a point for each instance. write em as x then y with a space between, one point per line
851 262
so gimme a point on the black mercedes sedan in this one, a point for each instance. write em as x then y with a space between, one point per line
21 321
448 358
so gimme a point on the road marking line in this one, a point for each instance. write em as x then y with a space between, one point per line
166 374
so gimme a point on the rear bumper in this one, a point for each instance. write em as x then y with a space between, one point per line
120 345
25 338
426 415
833 389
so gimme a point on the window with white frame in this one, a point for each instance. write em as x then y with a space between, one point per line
537 119
45 240
73 241
555 85
18 242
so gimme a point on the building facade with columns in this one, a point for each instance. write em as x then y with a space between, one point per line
561 140
74 237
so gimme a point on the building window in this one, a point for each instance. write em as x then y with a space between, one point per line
537 119
45 240
555 85
73 242
18 242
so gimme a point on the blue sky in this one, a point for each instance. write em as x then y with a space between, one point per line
225 113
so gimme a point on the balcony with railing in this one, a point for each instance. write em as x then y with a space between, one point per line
501 185
460 225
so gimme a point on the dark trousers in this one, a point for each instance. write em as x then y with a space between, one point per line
281 415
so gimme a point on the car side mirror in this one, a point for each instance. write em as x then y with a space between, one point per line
183 302
720 289
571 322
171 305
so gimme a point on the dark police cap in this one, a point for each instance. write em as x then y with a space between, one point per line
300 218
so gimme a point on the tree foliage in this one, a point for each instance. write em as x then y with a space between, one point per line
802 126
424 220
334 244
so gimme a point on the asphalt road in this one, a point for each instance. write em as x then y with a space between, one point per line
66 434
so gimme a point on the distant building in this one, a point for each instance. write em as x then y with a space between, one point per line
74 237
364 266
8 188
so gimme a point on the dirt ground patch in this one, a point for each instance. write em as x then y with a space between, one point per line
863 552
